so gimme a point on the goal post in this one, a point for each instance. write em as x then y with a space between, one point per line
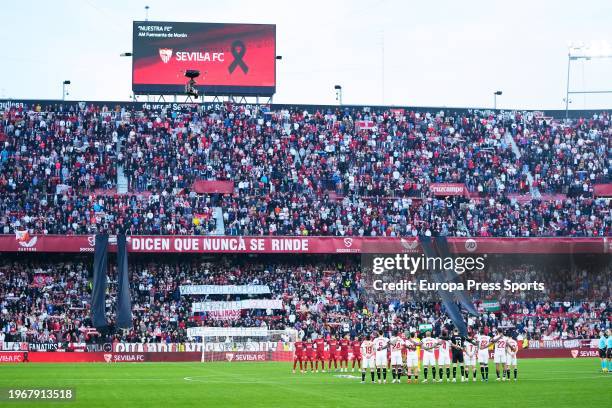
276 345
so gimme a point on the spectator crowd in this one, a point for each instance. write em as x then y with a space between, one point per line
343 172
44 301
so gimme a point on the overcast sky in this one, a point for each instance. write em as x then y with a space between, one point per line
392 52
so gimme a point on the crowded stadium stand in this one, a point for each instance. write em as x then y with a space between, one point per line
80 169
328 171
46 300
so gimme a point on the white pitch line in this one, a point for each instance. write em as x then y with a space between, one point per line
212 380
115 379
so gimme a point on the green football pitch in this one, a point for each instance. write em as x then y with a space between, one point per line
542 383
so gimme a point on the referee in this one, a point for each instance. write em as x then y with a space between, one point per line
609 350
602 350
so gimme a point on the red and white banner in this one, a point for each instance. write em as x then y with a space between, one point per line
448 189
237 356
562 344
306 245
197 307
365 125
229 315
41 280
13 346
397 112
558 353
11 357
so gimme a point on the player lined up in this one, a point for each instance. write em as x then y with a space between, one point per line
400 354
313 352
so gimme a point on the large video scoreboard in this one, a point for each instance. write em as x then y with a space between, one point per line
233 59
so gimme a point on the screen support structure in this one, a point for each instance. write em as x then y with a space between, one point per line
183 98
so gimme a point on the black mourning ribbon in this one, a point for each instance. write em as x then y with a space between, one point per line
238 51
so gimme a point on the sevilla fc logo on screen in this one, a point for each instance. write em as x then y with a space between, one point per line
165 54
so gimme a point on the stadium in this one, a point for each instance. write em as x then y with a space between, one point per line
236 235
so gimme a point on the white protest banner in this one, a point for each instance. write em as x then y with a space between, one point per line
237 305
224 290
227 331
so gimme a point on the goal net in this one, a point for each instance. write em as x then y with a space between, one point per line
233 346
